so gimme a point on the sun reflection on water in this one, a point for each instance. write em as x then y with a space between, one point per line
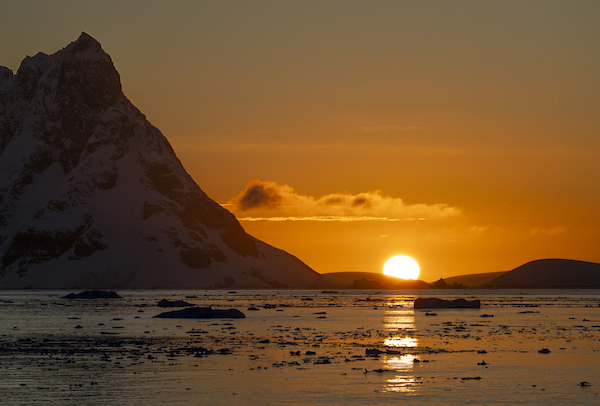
401 342
399 322
404 381
401 363
400 302
399 319
401 383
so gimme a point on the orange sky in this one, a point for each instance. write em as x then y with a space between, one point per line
465 134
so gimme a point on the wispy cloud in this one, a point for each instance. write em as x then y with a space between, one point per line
479 229
389 128
270 201
549 231
343 219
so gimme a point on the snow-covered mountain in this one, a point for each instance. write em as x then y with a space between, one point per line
93 196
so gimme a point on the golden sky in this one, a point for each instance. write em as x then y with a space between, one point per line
465 134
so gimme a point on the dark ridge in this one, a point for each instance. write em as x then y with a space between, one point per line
173 303
94 294
202 313
550 273
436 303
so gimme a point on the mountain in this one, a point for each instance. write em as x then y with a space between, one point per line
93 196
550 273
373 280
473 280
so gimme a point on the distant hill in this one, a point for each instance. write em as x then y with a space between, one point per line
474 280
373 280
550 273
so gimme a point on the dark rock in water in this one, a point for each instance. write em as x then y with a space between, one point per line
174 303
202 313
435 303
94 294
373 351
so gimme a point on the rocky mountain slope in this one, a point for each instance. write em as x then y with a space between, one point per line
93 196
550 273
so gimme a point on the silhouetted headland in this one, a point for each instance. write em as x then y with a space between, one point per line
373 280
550 273
473 280
93 294
202 313
436 303
173 303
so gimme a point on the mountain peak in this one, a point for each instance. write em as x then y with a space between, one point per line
87 46
85 40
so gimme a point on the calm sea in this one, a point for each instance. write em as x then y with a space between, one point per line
302 347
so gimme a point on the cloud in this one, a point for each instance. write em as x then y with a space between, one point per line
479 229
270 201
389 128
260 194
342 219
549 231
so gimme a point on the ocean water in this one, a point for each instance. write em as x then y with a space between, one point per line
305 347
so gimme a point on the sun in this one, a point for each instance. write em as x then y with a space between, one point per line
402 266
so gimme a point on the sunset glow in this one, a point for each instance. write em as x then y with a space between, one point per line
462 132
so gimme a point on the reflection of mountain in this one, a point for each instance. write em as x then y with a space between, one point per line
550 273
373 280
93 195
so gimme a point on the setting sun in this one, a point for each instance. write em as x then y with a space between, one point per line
402 266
